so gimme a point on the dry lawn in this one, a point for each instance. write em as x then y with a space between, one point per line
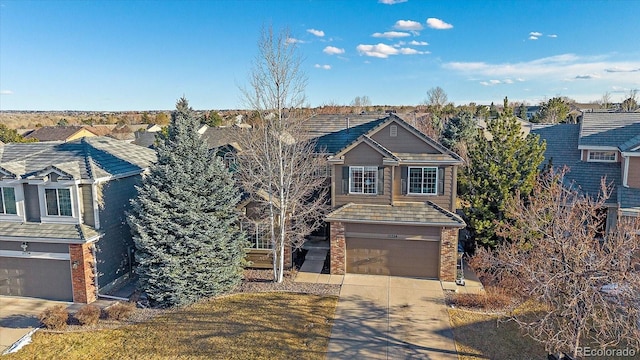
241 326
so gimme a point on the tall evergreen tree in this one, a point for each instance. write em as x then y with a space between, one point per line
184 220
501 165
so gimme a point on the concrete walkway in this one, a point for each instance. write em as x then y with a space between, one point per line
386 317
19 316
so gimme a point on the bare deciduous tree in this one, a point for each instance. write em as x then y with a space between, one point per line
436 97
360 103
278 164
585 283
631 102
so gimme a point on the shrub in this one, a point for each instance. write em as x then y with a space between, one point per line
55 317
491 299
88 315
120 311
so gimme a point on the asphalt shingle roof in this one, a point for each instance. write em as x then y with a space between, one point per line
629 198
334 132
69 233
54 133
608 129
86 158
422 213
562 150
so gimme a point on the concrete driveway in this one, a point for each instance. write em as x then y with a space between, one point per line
386 317
18 316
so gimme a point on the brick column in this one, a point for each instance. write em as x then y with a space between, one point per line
338 248
448 254
82 273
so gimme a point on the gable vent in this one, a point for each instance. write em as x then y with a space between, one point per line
393 130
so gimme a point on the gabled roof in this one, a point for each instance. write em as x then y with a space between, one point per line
55 133
86 158
406 213
220 136
608 129
337 134
562 150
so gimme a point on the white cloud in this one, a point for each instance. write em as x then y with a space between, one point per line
533 37
383 50
553 36
324 67
418 43
615 70
535 33
438 24
391 34
507 81
587 76
294 41
6 92
380 51
567 67
391 2
318 33
332 50
408 25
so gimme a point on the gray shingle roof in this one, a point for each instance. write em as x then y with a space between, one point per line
629 198
334 132
608 129
220 136
562 150
422 214
86 158
66 233
54 133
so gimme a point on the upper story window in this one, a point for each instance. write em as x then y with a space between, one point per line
363 179
603 156
8 201
58 202
423 180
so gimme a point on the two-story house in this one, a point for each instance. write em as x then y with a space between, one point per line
393 194
63 229
604 145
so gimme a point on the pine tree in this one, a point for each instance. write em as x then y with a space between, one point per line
499 167
184 220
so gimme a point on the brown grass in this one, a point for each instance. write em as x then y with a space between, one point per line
88 315
483 336
242 326
492 299
120 311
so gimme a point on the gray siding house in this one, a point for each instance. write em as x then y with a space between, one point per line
63 232
604 145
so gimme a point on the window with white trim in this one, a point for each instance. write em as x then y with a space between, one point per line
603 156
8 203
363 179
58 202
423 180
258 235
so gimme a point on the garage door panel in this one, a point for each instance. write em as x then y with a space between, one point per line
393 257
41 278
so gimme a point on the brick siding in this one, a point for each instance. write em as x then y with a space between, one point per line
448 254
338 248
82 274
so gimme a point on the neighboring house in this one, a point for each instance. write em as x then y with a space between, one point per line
63 231
393 194
606 145
60 133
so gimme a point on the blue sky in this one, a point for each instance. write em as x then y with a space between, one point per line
143 55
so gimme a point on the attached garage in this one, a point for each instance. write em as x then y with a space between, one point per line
41 278
416 258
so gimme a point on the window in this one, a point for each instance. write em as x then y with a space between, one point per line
603 156
8 203
423 180
363 179
258 235
58 202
